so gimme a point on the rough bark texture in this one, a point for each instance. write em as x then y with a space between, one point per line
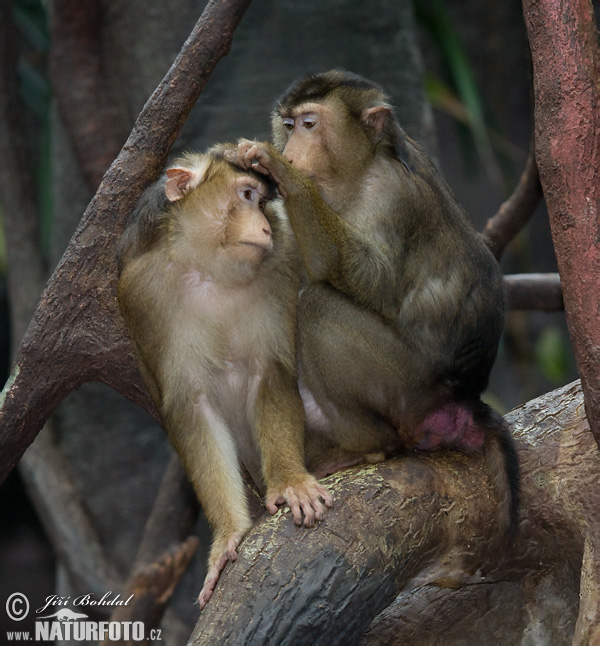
88 342
405 527
564 46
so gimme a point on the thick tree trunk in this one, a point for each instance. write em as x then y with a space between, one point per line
563 38
424 527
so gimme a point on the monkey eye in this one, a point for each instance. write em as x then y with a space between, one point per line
309 123
262 203
288 124
247 193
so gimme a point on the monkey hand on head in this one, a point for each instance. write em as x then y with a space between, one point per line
401 319
208 288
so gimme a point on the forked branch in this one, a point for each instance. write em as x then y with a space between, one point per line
77 334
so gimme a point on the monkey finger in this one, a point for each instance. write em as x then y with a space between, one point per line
318 494
294 503
244 145
237 155
205 595
259 168
319 509
324 495
224 549
232 156
273 502
250 160
310 516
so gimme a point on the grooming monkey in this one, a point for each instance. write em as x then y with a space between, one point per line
208 288
400 322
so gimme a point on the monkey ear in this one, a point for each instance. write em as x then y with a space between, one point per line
182 180
178 183
375 118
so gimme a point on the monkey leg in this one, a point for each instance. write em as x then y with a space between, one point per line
370 383
373 390
207 450
280 434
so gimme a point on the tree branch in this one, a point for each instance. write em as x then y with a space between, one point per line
534 292
165 550
151 587
432 522
77 334
69 528
514 214
81 95
564 46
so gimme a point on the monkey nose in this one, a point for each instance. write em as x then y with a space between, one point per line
288 156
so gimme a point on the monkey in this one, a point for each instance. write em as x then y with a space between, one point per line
401 317
208 289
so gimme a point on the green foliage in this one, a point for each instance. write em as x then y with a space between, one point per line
553 354
30 17
462 99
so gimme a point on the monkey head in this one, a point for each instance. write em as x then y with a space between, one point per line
328 124
219 216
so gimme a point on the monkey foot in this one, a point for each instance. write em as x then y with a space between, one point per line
221 552
308 501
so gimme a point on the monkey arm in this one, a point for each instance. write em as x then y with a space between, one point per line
332 249
280 436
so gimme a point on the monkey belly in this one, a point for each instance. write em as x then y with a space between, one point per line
450 426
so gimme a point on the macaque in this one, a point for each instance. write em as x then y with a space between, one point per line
400 321
208 288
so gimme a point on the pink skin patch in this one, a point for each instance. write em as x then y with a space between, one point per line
450 426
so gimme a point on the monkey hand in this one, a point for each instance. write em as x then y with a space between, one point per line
307 499
261 157
223 549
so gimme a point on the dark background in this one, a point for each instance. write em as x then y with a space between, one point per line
438 60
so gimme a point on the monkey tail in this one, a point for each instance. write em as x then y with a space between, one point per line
503 463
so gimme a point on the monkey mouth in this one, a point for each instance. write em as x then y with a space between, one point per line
263 247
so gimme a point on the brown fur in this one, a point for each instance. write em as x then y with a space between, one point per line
208 288
400 322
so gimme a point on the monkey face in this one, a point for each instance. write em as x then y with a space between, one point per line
326 141
217 218
308 130
247 234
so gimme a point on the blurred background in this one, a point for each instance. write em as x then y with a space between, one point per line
75 76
